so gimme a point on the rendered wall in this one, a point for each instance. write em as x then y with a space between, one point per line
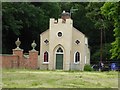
77 35
43 48
66 42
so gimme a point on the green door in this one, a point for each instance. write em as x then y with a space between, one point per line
59 61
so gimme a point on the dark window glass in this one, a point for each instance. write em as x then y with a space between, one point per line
59 49
46 57
77 57
59 34
77 41
46 41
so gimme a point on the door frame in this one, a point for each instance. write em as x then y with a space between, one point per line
59 53
62 59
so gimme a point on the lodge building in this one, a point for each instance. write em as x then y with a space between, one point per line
62 46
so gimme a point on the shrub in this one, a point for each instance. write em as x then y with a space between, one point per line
87 67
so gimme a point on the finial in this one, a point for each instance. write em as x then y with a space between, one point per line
18 42
33 45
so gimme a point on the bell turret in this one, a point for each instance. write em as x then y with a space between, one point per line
65 15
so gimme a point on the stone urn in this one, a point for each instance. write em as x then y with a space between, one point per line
18 42
33 45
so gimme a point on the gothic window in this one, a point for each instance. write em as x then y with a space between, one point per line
77 41
77 57
46 41
59 34
46 56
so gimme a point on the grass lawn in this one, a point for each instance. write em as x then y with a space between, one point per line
18 78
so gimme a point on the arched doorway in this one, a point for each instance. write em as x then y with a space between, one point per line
59 58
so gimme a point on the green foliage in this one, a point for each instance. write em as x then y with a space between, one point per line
81 22
25 20
17 19
28 19
99 23
9 21
51 10
94 14
111 11
106 55
87 67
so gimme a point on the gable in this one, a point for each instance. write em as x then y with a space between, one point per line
77 31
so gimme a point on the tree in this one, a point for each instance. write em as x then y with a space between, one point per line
28 19
111 11
106 54
50 9
25 20
18 21
102 29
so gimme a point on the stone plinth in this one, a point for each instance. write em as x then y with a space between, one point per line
19 53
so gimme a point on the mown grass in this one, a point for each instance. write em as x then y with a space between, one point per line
23 78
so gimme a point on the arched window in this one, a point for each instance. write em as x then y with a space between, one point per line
77 57
46 56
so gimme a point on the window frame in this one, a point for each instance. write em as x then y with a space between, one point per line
57 34
75 57
47 57
78 43
45 40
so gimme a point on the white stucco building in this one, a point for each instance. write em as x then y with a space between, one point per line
62 46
